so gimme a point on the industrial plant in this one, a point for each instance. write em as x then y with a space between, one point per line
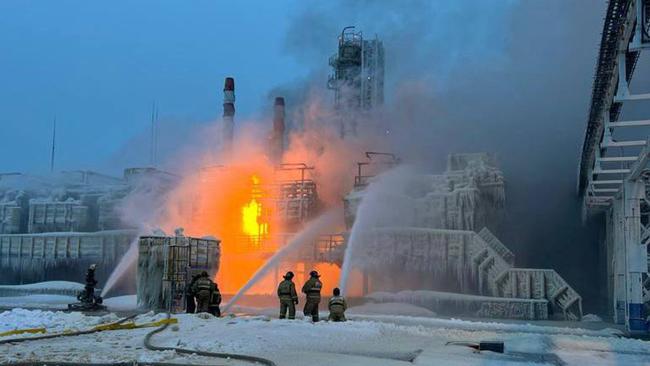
324 199
51 231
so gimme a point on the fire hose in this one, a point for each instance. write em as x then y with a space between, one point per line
67 334
147 343
233 356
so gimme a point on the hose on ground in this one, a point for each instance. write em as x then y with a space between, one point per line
233 356
147 344
69 334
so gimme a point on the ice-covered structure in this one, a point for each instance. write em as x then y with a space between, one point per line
437 225
469 195
52 228
166 265
28 258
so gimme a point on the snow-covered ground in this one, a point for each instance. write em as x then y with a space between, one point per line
53 321
48 287
60 302
37 301
364 340
391 308
55 295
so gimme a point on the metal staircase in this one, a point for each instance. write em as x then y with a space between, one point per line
490 265
497 276
527 283
497 246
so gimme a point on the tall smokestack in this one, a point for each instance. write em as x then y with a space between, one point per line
228 131
277 138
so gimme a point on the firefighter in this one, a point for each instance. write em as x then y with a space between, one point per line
337 306
202 290
215 301
288 296
190 296
88 296
312 291
88 300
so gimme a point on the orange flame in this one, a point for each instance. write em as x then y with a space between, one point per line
252 222
234 204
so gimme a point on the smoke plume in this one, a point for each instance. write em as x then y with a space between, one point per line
468 76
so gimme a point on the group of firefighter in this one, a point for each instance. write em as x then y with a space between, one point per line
203 296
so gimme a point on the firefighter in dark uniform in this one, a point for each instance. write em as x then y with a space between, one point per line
288 296
202 290
88 296
190 300
337 306
215 301
312 291
88 300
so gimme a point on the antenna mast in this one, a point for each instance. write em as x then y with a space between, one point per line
152 153
53 146
155 140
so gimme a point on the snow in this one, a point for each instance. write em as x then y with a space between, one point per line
53 321
388 308
591 318
56 302
121 303
468 305
37 301
364 340
516 327
49 287
54 295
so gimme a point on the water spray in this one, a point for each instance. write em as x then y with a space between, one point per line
315 228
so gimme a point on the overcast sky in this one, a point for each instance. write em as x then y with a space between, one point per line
98 66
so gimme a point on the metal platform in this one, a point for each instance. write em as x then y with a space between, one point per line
614 175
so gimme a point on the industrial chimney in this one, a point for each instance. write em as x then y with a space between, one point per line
277 137
228 130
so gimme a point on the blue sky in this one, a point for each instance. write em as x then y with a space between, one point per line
97 67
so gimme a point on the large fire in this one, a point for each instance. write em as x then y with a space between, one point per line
252 222
237 203
234 204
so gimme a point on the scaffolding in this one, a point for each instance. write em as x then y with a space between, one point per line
171 262
377 162
296 199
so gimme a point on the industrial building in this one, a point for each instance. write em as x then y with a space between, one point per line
357 79
53 228
437 233
613 177
166 265
441 231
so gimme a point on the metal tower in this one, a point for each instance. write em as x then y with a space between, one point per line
614 175
358 78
